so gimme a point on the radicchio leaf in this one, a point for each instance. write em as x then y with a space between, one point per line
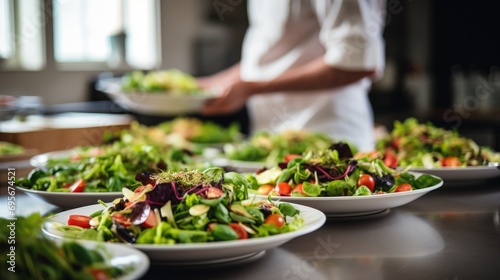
162 193
343 149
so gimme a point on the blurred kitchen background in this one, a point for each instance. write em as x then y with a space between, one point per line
443 59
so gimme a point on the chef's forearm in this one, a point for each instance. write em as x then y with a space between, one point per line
313 76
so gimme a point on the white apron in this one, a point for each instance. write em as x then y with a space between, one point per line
284 34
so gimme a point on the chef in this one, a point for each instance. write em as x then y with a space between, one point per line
306 65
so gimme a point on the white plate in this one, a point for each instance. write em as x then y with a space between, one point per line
456 176
350 206
199 253
41 159
152 103
120 256
68 200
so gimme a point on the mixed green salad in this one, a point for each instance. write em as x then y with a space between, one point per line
201 132
160 81
37 257
414 144
140 148
111 166
334 172
7 149
270 148
185 207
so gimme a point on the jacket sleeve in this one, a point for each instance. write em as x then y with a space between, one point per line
352 33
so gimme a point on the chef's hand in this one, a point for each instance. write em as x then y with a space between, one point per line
231 96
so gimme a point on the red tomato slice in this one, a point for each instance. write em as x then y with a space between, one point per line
366 180
283 188
242 233
150 220
275 219
77 186
403 188
451 161
82 221
390 159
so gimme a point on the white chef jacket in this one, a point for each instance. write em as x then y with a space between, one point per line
284 34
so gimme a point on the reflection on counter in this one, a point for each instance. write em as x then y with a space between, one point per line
396 234
355 249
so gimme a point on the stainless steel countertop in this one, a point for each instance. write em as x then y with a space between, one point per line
452 233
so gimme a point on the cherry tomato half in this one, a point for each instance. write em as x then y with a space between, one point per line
404 188
150 220
275 219
240 231
283 188
390 159
77 186
366 180
82 221
451 161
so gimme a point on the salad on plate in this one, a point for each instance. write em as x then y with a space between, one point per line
415 144
269 148
184 207
172 80
168 92
335 172
199 132
110 166
38 257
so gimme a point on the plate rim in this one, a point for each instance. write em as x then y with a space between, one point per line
445 169
191 103
461 176
316 220
67 200
104 85
343 205
140 269
361 197
58 153
86 194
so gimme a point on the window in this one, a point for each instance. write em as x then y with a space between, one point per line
87 34
6 42
116 32
21 34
